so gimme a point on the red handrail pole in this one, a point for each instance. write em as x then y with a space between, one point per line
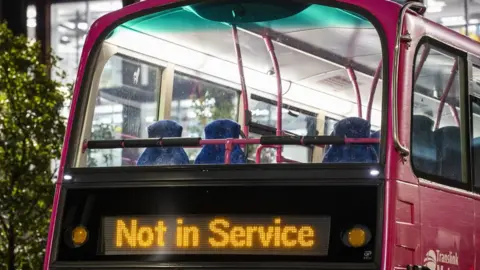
228 151
260 148
351 72
373 88
258 152
356 88
445 93
276 68
242 78
454 112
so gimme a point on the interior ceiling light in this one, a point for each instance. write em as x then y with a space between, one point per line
434 6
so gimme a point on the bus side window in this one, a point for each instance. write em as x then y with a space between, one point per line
295 122
127 102
436 140
475 144
475 136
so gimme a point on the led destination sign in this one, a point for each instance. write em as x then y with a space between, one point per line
232 235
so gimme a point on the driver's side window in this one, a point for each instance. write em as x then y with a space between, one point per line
475 118
435 127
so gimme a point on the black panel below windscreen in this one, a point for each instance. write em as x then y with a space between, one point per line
345 206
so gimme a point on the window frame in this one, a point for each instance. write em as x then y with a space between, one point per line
463 73
109 53
83 90
327 118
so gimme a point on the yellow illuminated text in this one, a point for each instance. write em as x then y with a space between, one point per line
278 235
187 235
133 235
216 233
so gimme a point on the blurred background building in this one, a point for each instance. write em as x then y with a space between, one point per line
59 24
62 24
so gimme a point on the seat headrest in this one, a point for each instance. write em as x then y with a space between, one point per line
422 122
447 140
476 142
163 155
222 129
451 133
352 127
375 134
165 128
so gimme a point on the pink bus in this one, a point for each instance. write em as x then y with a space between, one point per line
329 134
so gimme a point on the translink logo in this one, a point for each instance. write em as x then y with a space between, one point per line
436 260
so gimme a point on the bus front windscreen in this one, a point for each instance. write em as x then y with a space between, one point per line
240 83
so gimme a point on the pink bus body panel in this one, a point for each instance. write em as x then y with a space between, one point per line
441 219
418 216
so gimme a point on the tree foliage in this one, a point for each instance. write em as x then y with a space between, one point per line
100 132
31 133
210 104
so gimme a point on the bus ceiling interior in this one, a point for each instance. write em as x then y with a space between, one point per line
312 58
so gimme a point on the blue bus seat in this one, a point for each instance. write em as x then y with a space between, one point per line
424 151
163 155
352 127
447 140
215 154
376 146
